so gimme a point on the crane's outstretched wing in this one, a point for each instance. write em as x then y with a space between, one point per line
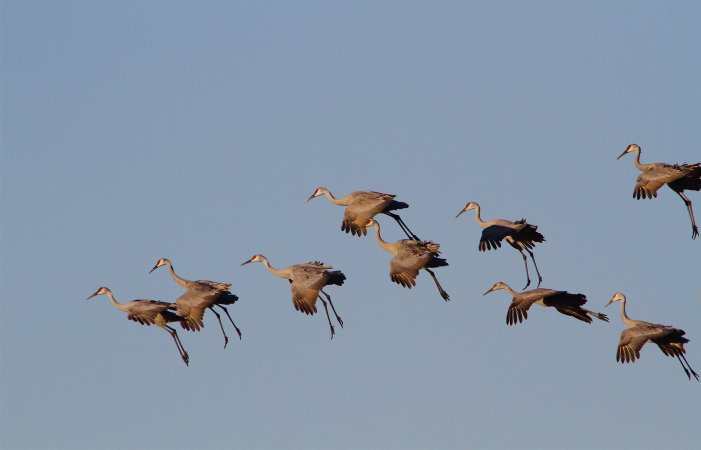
493 235
633 339
648 183
146 311
304 297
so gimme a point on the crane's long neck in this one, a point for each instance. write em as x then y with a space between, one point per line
386 246
116 304
624 317
638 165
336 201
282 273
478 217
508 289
181 281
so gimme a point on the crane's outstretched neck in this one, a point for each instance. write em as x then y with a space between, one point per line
282 273
638 165
116 304
478 217
336 201
624 317
508 289
181 281
386 246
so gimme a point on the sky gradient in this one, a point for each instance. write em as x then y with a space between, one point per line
133 131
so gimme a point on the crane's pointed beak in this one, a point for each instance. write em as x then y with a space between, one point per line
490 290
621 155
246 262
154 268
461 211
91 296
311 197
610 301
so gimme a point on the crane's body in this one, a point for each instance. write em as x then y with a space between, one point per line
149 312
410 256
200 295
519 234
670 340
307 283
678 177
362 206
564 302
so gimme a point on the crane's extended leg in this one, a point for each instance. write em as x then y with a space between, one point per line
328 297
327 316
525 264
230 320
696 375
226 338
178 344
403 226
443 293
687 202
540 279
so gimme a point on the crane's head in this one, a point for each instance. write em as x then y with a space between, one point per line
618 296
319 191
255 258
498 285
161 262
100 291
469 206
632 148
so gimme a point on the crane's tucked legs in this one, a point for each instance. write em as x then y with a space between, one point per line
178 344
327 316
226 338
687 202
540 279
443 293
230 320
403 226
328 297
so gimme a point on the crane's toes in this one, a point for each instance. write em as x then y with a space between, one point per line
445 296
340 321
528 283
694 232
226 341
186 359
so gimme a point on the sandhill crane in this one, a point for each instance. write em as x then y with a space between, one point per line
362 206
669 339
679 177
306 282
410 256
521 235
149 312
564 302
200 295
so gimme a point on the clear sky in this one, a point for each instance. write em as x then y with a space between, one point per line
195 131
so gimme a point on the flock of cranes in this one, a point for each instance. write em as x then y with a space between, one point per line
410 256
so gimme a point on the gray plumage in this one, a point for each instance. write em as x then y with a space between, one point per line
670 340
307 282
678 177
564 302
519 234
410 256
149 312
361 206
200 295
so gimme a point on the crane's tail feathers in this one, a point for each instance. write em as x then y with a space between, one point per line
396 205
336 277
227 298
437 262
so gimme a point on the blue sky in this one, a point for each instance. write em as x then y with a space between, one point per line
138 130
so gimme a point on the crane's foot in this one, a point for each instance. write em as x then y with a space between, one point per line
696 375
340 321
528 283
445 295
540 280
694 232
186 359
333 331
226 341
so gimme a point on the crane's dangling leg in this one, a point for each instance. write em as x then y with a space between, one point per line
178 344
327 316
598 315
443 293
540 279
403 226
525 264
328 297
226 338
230 320
687 202
696 375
